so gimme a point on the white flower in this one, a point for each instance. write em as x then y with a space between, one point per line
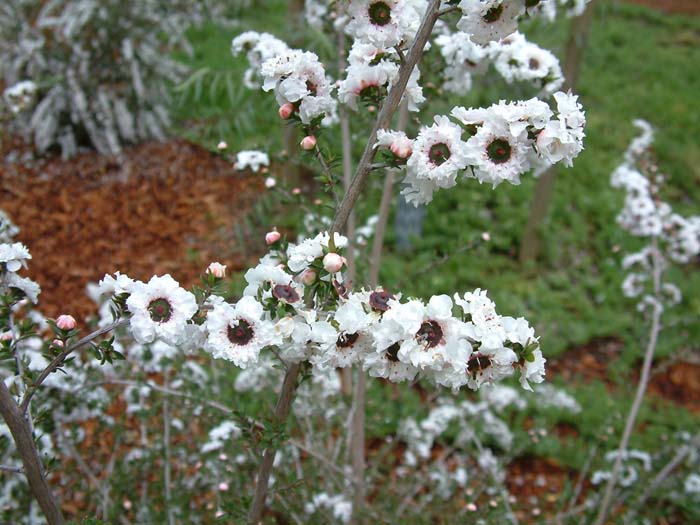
25 284
524 61
496 155
298 77
488 20
383 23
337 349
691 485
160 309
238 332
462 59
117 285
301 255
220 434
365 81
14 256
396 141
438 153
8 229
20 96
556 143
251 159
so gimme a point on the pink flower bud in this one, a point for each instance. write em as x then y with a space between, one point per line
308 277
66 322
296 191
272 237
332 262
401 147
221 145
216 269
7 336
57 342
286 111
223 486
308 143
270 182
486 236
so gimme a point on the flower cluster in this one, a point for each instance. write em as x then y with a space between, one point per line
20 96
258 48
297 303
257 161
644 214
14 257
300 84
505 141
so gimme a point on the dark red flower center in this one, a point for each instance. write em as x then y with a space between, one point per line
285 293
430 333
241 333
160 310
346 340
533 63
499 151
392 353
493 14
439 153
380 300
379 13
477 363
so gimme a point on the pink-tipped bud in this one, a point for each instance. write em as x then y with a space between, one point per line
272 237
286 111
221 145
216 269
57 342
317 202
308 143
7 336
223 486
332 262
486 236
401 147
270 182
66 322
308 277
296 191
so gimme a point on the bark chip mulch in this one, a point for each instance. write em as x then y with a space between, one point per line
164 208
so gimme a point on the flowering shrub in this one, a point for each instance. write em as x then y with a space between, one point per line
299 311
97 70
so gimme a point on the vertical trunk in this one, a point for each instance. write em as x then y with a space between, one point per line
578 39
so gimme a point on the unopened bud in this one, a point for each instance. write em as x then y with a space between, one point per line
270 182
308 277
57 342
221 145
272 237
401 147
332 262
216 269
286 111
308 143
223 486
66 322
296 191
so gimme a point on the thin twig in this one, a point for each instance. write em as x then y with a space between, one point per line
641 387
60 358
166 463
7 468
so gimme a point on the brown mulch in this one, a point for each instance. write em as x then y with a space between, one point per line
680 383
165 208
589 361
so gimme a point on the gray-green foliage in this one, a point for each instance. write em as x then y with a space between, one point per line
103 67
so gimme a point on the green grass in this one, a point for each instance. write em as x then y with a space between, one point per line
638 64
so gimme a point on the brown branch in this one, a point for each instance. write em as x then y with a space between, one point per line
385 114
284 404
32 465
60 358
